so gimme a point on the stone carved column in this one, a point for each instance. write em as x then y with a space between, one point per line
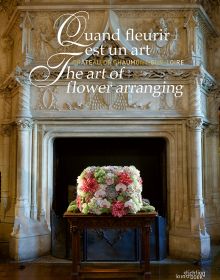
22 207
195 162
195 97
27 230
24 127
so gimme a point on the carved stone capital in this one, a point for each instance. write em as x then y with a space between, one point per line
195 123
204 79
24 123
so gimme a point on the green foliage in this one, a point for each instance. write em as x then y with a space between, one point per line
100 175
72 207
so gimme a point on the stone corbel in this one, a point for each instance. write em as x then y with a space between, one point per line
195 123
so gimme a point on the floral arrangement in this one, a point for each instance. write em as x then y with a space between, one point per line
112 190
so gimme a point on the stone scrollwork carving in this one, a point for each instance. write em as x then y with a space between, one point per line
195 123
129 73
24 123
206 81
47 99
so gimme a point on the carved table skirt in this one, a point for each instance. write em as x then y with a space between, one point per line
79 222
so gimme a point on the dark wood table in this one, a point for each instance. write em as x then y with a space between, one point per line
79 221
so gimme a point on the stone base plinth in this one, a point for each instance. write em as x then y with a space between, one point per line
30 239
189 246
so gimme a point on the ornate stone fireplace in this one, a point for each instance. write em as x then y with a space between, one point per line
34 117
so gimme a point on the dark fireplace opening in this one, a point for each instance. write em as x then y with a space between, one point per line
71 156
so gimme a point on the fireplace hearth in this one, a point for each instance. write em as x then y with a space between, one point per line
71 156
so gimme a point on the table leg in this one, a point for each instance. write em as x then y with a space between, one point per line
75 253
146 251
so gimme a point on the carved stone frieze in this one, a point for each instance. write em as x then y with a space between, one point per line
50 100
47 99
171 103
46 26
195 123
54 98
154 13
129 73
169 21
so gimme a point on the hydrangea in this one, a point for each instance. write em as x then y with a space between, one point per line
112 190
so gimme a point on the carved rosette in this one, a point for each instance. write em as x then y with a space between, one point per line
24 123
195 123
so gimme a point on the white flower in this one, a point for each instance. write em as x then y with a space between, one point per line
102 187
120 186
105 203
129 204
100 193
79 181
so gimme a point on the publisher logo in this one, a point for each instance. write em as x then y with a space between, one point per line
193 274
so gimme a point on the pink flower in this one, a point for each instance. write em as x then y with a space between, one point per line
90 185
109 181
118 209
78 202
124 178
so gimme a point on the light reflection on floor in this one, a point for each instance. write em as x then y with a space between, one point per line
51 268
